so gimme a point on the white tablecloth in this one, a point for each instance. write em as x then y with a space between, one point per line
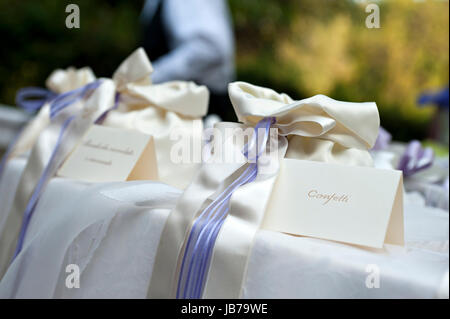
111 231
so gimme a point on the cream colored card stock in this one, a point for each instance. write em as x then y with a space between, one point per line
108 154
357 205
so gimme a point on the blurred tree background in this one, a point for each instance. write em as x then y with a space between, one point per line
300 47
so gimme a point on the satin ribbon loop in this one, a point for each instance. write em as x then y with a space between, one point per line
32 99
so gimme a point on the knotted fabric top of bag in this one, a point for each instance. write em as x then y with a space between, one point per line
161 110
204 247
318 128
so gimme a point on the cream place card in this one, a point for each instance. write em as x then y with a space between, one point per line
107 154
357 205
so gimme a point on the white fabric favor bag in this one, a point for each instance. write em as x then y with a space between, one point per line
204 248
128 100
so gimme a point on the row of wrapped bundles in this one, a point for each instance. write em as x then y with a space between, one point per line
197 231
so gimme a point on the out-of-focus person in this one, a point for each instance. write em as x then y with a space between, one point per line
192 40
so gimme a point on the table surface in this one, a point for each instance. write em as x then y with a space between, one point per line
111 231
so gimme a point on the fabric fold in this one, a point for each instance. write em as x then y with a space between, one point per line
319 128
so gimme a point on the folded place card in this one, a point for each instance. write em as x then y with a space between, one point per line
357 205
107 154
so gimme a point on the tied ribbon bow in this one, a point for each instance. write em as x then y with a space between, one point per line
33 98
204 232
415 158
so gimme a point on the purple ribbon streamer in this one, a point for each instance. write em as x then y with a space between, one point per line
415 158
58 104
204 232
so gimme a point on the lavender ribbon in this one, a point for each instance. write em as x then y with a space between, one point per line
58 104
199 246
34 98
415 158
65 99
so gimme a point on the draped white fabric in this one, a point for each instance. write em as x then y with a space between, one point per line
112 234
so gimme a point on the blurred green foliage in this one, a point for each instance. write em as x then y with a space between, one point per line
309 47
300 47
35 40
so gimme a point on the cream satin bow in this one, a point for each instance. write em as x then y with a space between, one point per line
133 82
318 128
159 110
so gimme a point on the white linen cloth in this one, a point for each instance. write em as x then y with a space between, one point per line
111 231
